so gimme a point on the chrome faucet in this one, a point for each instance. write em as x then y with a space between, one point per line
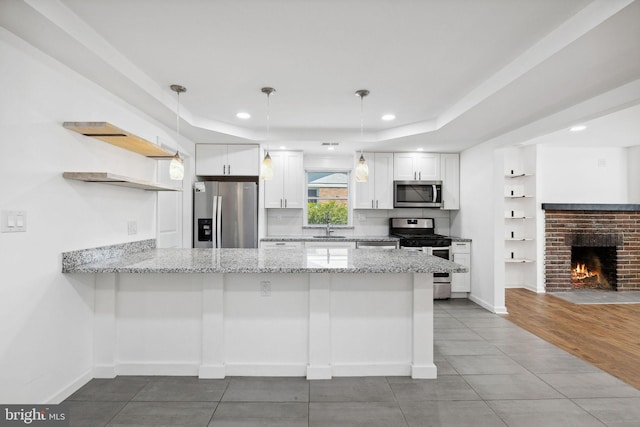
329 230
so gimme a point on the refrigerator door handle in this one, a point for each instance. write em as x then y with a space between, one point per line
219 223
214 220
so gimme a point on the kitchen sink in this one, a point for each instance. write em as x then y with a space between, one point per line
329 237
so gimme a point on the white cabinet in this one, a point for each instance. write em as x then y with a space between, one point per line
377 192
330 245
416 166
286 188
461 251
450 175
229 160
281 245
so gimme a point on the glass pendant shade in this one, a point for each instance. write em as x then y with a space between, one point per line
176 168
362 170
266 168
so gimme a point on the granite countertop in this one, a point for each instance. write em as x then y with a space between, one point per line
344 239
315 260
329 239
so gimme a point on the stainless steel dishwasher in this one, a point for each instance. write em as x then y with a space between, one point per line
376 244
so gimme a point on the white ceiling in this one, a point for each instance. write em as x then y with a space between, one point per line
455 72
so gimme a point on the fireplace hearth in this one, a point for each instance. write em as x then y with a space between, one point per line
592 247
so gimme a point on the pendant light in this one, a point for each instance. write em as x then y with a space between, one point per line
266 168
362 169
176 167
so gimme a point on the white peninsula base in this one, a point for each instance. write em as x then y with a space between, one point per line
213 325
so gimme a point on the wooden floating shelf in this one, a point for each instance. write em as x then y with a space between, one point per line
519 217
518 240
123 181
111 134
517 260
518 175
518 197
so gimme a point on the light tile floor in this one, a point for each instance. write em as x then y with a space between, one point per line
490 373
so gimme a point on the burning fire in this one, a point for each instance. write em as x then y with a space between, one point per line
581 272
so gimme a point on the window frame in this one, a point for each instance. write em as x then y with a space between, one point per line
349 198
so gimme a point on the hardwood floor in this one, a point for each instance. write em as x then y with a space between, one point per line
605 335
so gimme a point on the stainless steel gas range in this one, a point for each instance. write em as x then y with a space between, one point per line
418 234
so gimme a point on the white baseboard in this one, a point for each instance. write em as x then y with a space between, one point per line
371 370
104 371
168 369
212 371
319 372
265 370
71 388
424 371
492 308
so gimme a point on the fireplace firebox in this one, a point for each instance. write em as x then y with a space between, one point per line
593 267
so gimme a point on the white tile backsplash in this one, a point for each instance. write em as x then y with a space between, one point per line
366 222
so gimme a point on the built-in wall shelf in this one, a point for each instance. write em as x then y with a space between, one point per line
111 134
123 181
518 260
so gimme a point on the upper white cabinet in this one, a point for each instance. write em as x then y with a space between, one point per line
416 166
377 192
286 188
230 160
450 175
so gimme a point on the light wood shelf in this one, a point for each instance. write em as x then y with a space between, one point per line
521 175
123 181
111 134
515 239
518 260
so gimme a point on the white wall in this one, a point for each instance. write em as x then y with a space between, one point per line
45 316
481 209
582 175
633 166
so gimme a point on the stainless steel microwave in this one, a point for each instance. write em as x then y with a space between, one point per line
417 194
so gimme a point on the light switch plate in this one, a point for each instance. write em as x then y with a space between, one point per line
13 221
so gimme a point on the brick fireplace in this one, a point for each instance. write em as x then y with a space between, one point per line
594 246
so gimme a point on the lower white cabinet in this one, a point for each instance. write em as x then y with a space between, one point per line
461 251
281 245
330 245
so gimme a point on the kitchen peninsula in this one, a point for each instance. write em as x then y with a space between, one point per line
318 312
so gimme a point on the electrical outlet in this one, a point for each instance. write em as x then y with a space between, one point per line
265 288
132 227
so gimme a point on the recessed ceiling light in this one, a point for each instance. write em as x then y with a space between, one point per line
388 117
282 147
420 149
578 128
243 115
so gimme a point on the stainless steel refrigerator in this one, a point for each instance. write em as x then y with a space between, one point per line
225 214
